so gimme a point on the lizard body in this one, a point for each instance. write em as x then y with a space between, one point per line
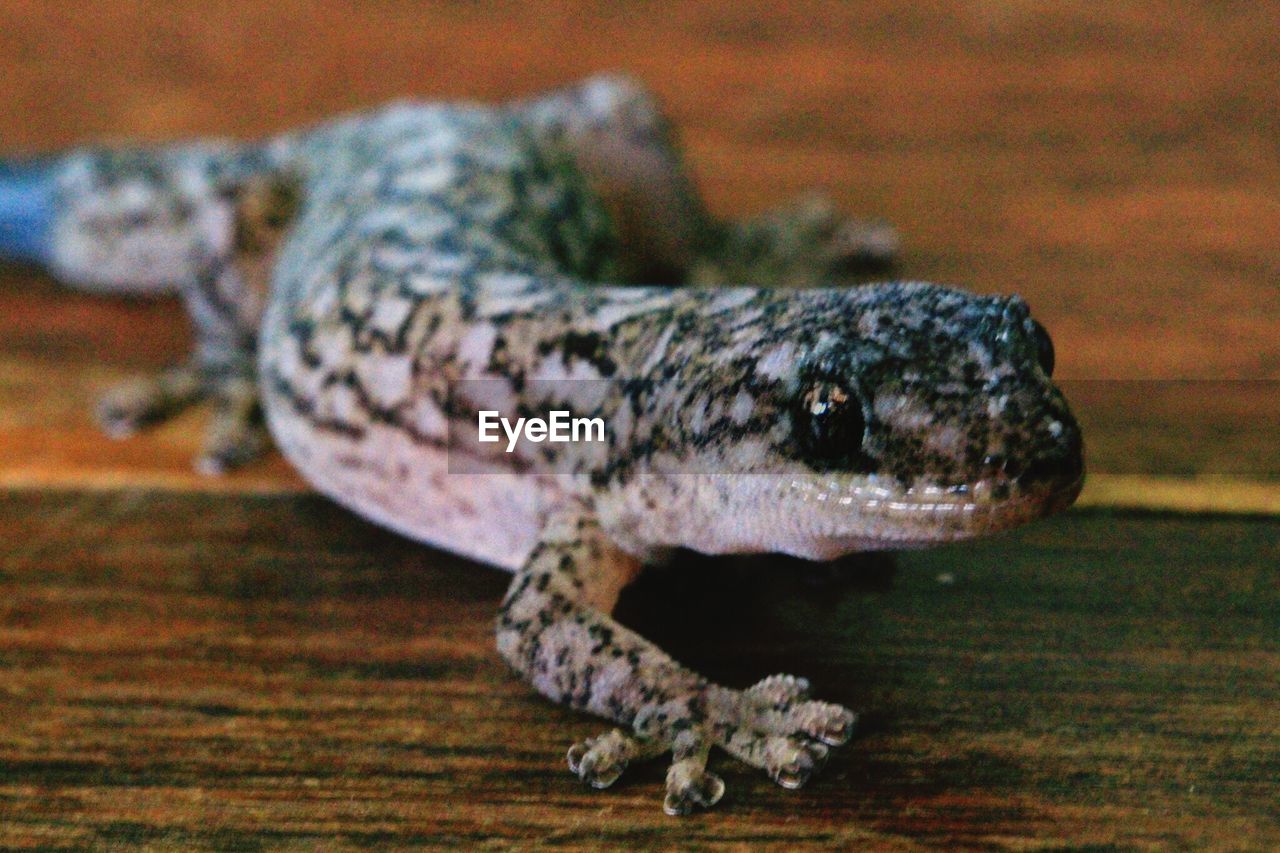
371 285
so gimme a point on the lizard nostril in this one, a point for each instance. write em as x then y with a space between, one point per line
998 465
1063 463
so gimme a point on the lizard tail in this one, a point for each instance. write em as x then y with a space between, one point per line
26 211
127 220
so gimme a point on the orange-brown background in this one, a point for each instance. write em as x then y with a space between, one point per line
1116 163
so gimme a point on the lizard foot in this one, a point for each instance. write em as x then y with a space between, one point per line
138 403
783 732
772 725
599 761
801 244
235 435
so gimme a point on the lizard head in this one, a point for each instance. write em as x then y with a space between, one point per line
886 416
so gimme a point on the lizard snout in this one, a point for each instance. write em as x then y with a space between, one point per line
1058 462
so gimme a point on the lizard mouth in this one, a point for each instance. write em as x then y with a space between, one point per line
870 514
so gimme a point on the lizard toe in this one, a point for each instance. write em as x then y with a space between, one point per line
791 761
599 761
691 788
863 245
779 690
140 402
789 738
831 724
783 708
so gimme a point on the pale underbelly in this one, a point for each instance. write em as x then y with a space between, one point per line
494 516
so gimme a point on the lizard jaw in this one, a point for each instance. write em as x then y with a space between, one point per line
820 518
843 518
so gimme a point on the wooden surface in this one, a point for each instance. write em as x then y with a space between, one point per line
231 671
233 663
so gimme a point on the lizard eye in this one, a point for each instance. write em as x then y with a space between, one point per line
829 426
1044 347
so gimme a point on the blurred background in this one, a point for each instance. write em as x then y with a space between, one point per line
1116 164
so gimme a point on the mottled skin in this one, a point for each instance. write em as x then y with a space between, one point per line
371 284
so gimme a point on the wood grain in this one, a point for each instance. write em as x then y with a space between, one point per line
233 664
225 672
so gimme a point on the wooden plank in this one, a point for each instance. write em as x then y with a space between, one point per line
1172 494
224 671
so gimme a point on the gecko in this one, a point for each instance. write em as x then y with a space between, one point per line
361 290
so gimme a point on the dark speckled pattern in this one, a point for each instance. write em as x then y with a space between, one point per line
354 275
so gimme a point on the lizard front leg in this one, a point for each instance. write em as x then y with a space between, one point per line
554 629
224 283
